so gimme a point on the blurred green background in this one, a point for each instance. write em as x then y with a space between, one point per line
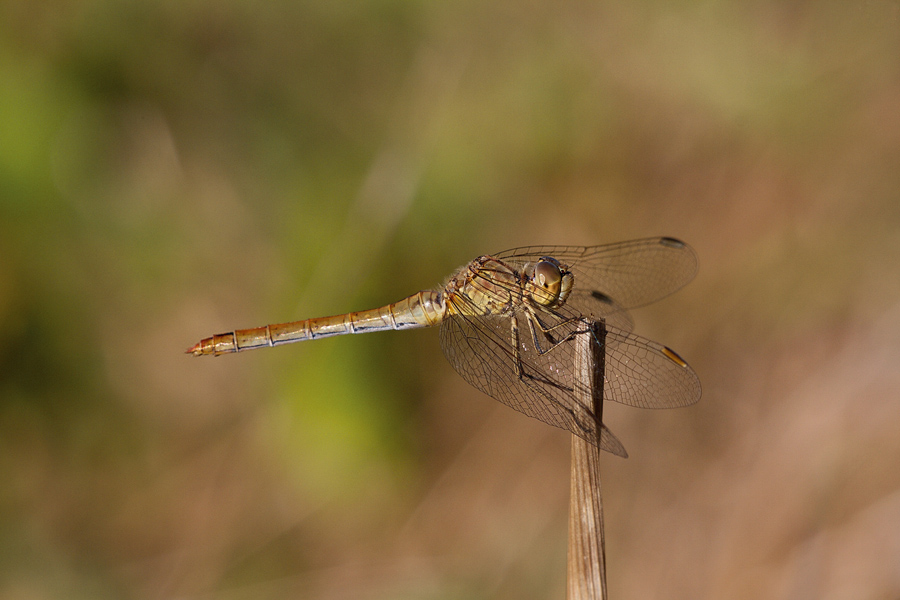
169 170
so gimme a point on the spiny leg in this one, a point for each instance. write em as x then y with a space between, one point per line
547 330
537 381
517 356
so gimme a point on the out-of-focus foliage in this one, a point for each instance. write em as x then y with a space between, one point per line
173 169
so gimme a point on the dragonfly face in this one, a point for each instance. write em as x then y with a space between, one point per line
549 282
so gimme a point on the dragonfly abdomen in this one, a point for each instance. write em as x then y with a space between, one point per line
419 310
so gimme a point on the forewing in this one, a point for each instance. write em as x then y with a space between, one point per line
632 273
596 305
481 349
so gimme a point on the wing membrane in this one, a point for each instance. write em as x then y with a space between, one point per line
541 384
480 350
632 273
523 354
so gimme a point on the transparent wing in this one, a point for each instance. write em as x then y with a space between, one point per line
594 304
480 349
540 384
632 273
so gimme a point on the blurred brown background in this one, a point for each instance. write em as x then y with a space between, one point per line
169 170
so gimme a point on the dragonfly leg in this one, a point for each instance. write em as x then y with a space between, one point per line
537 381
518 364
562 321
514 337
547 330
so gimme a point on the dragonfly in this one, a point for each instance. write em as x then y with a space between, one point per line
509 324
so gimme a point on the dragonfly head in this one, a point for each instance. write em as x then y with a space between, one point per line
550 282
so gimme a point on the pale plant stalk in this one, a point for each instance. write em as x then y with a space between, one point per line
586 578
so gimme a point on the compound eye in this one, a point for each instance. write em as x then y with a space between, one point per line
547 274
546 280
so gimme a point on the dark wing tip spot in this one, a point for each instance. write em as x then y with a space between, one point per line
671 242
598 295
